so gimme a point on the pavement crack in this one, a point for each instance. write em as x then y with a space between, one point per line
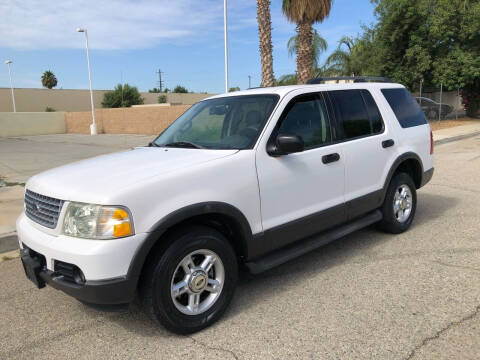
455 266
437 335
208 347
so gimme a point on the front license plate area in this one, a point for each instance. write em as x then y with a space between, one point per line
32 269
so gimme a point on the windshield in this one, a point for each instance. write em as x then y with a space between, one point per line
232 122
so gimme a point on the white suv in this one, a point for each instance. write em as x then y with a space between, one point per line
256 177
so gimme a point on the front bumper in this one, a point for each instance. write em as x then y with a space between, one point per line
104 263
115 291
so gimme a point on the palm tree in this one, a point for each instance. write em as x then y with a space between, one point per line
265 36
319 45
304 13
49 80
340 60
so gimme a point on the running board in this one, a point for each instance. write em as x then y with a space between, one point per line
283 255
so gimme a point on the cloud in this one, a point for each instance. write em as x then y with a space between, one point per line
111 24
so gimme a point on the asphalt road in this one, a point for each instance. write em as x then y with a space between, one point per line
367 296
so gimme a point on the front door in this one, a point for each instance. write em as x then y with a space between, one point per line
301 193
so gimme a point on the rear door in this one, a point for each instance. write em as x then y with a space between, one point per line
368 146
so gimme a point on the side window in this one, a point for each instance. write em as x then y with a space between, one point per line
351 111
373 113
306 116
406 109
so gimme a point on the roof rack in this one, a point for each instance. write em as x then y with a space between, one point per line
355 79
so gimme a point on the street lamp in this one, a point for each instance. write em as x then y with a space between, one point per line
93 126
225 34
8 62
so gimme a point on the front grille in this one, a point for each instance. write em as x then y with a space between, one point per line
42 209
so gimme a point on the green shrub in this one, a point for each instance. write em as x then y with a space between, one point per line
49 109
180 89
162 99
122 96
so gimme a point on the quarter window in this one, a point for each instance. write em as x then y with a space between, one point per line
406 109
306 116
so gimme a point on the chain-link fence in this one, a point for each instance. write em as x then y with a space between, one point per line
438 104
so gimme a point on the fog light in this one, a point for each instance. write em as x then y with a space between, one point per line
78 275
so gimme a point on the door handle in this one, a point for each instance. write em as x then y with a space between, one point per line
330 158
388 143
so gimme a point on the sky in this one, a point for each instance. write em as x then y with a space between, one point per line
130 40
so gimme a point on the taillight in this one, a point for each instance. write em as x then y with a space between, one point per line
431 142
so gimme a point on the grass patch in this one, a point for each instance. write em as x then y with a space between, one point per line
10 256
4 183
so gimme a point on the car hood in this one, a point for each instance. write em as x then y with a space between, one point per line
99 178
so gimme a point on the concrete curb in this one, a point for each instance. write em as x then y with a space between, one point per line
455 138
8 242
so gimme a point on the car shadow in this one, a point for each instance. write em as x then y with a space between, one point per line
430 207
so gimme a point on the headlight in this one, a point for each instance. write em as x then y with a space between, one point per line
97 222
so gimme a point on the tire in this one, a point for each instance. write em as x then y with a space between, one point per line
395 219
165 274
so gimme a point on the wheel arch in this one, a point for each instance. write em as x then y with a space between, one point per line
223 217
409 163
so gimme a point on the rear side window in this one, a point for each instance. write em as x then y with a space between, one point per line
405 107
357 113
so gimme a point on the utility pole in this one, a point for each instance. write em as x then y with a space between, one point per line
249 81
160 82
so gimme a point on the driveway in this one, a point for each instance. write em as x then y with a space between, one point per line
369 295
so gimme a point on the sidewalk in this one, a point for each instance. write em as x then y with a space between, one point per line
26 154
456 133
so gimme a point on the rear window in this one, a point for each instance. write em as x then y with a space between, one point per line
405 107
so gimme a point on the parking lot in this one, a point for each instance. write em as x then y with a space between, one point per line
368 295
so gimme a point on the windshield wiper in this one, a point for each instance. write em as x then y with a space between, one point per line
184 144
154 144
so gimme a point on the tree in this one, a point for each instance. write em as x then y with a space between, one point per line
289 79
154 90
232 89
437 41
122 96
180 89
319 45
305 13
49 80
341 60
265 37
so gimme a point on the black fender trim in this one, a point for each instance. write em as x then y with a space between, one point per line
183 214
427 176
